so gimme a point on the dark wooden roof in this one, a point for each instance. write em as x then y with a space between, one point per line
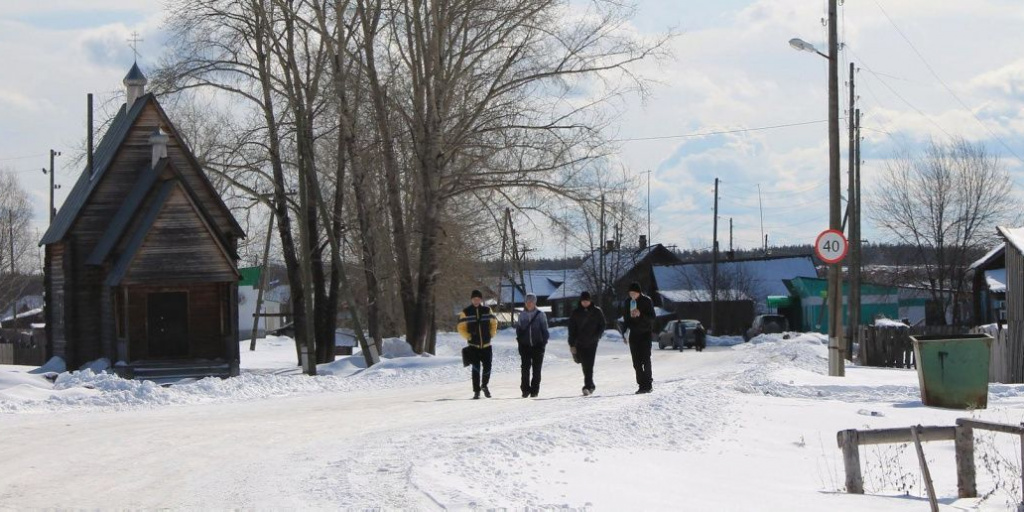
126 213
159 199
130 208
102 158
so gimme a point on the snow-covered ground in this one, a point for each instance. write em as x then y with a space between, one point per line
740 426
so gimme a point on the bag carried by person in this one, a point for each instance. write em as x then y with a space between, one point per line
469 355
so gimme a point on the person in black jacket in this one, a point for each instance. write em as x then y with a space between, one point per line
532 335
477 325
586 326
638 316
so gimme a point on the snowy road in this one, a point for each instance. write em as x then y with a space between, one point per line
707 439
394 448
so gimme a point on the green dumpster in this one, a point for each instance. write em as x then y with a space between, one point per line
953 370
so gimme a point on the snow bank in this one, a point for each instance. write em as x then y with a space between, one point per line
886 322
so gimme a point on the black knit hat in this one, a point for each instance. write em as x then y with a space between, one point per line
476 293
584 296
635 287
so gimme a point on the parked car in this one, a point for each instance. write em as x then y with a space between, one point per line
766 324
695 337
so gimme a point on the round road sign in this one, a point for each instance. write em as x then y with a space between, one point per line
831 246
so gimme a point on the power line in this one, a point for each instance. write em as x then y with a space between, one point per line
39 155
945 85
720 132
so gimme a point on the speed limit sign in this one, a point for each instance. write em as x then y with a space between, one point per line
831 246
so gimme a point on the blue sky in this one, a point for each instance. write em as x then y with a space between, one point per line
731 69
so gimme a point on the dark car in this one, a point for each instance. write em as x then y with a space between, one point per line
766 324
695 336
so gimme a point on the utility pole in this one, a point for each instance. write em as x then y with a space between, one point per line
714 265
600 252
836 364
852 309
649 242
10 236
730 235
855 249
261 282
53 211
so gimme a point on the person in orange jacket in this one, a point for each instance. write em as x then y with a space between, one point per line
477 326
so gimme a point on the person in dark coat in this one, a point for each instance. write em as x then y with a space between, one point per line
477 325
638 319
680 335
532 335
586 326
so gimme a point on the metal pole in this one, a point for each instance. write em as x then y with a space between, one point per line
837 367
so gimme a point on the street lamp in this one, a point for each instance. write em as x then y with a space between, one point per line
804 46
836 364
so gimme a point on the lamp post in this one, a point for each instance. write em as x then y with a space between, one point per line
836 364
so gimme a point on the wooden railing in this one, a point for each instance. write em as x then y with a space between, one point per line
962 436
891 347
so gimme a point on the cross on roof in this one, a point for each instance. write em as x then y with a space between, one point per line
134 43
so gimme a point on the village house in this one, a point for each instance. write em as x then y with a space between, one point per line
612 269
746 288
140 261
989 287
1012 356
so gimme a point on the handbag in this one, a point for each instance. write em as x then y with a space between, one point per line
469 356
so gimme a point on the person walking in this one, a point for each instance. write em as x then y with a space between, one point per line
532 335
586 326
680 335
638 319
477 325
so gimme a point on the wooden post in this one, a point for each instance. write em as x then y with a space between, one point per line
848 441
924 469
965 477
261 282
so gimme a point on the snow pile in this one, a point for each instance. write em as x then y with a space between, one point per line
798 368
724 341
886 322
92 387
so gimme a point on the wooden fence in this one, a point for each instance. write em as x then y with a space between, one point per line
891 347
962 436
999 359
23 347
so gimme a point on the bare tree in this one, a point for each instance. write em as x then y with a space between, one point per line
947 205
18 254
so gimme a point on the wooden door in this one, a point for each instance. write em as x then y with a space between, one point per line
167 324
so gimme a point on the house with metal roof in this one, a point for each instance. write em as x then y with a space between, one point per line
1010 354
140 261
989 287
610 270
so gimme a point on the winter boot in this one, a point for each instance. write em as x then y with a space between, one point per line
586 391
487 392
476 395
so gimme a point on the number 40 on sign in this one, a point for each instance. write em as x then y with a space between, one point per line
831 246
